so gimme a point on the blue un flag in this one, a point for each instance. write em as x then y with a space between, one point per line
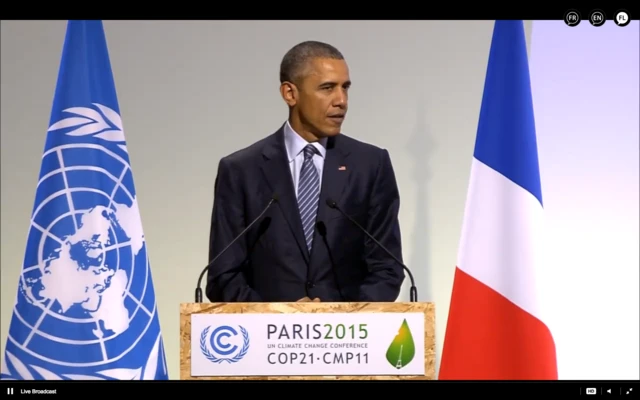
86 306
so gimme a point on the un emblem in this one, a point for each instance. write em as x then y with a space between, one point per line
86 307
224 344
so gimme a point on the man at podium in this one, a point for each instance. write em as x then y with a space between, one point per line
310 192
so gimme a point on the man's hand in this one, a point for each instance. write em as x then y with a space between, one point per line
308 300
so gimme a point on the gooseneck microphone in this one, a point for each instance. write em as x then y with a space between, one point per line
413 293
274 199
322 230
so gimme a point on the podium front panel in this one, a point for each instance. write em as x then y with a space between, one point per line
307 341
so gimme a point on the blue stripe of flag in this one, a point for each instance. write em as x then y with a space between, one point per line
506 137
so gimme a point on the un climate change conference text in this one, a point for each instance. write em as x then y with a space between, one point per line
323 350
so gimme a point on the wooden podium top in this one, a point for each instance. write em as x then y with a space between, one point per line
188 309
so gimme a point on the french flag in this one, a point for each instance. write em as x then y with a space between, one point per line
495 330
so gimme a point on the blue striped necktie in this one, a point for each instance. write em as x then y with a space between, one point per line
308 194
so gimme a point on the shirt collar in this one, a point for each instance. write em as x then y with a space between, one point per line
295 144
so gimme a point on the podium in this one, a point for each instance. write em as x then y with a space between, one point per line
307 341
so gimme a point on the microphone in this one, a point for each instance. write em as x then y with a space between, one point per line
413 293
274 199
322 229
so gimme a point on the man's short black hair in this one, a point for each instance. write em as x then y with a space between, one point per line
296 59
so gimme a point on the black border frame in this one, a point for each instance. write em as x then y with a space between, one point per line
265 11
304 388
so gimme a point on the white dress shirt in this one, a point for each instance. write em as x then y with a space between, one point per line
295 145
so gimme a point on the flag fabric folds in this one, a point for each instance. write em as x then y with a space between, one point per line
494 329
86 307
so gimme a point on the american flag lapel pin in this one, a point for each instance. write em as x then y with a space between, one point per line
342 168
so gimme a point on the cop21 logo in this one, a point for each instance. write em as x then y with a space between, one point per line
224 344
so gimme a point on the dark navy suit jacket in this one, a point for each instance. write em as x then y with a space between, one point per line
271 262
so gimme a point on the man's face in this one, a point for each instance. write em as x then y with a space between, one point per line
321 98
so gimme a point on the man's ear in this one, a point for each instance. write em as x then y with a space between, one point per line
289 93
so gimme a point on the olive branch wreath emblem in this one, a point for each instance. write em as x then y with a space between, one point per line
205 351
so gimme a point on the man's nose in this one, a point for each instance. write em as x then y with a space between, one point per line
340 100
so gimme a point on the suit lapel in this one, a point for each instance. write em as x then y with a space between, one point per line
334 176
278 175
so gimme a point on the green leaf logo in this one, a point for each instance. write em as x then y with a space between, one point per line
402 349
